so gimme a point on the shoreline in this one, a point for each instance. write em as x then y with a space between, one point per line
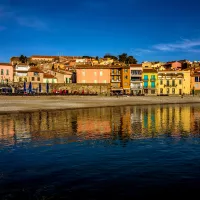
16 104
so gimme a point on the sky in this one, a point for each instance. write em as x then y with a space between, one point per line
149 30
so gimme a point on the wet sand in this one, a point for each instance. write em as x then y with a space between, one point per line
9 104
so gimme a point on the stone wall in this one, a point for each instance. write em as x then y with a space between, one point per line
103 88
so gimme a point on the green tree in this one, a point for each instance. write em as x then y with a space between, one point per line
131 60
123 57
23 59
110 56
127 59
97 57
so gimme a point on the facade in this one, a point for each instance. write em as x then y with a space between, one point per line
195 82
92 74
35 75
136 83
115 79
152 65
173 82
6 70
126 80
21 72
149 77
62 76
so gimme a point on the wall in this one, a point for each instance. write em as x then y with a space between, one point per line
72 87
93 75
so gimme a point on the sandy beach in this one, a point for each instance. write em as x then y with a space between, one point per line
9 104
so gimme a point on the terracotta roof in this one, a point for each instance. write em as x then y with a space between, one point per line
35 69
7 64
135 65
149 71
101 67
38 56
48 76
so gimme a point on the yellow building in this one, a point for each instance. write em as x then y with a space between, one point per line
173 82
153 65
149 77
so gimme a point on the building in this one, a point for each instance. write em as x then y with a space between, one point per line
62 75
125 79
195 81
21 72
38 58
136 83
92 74
6 72
48 78
152 65
172 82
173 65
35 75
149 77
115 79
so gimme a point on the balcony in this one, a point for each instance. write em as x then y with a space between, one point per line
115 81
152 79
115 74
170 86
145 79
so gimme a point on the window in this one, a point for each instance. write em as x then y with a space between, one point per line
113 71
173 82
197 79
38 79
101 73
161 90
153 77
167 82
20 79
145 84
33 78
7 72
180 82
146 77
153 92
2 72
83 73
95 73
35 73
173 90
95 81
126 77
125 70
167 90
161 82
83 81
104 81
153 85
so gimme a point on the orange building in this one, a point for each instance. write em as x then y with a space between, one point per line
92 74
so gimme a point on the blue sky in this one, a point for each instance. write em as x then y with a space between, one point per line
150 30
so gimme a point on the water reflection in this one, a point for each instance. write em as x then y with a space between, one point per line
120 123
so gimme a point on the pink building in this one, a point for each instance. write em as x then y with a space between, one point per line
92 74
6 72
174 65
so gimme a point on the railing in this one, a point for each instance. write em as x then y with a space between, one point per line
145 79
152 79
116 81
170 85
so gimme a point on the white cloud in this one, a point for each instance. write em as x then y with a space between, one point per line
183 45
140 52
32 23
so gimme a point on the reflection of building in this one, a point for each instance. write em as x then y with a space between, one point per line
114 123
6 129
